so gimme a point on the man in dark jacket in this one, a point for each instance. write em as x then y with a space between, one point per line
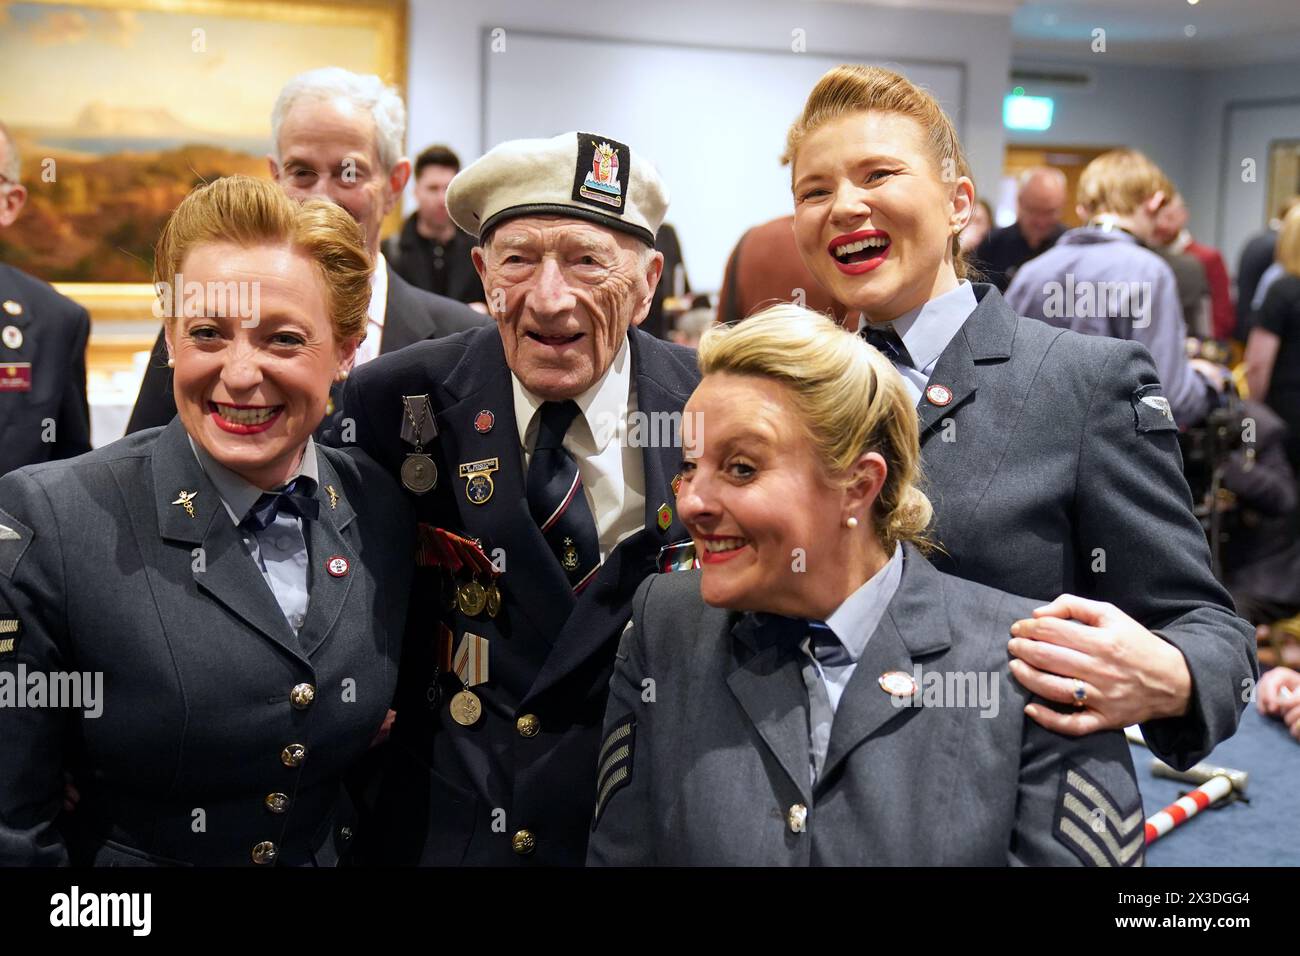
43 410
430 252
338 136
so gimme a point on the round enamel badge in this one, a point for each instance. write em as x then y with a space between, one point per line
939 395
12 336
337 566
897 684
484 421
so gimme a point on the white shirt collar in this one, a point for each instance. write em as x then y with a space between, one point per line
603 405
379 291
927 329
857 618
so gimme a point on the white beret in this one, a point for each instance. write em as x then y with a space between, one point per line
579 175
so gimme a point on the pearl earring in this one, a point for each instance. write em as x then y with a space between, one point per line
851 521
171 363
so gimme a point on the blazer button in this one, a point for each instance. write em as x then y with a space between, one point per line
528 725
293 755
264 852
302 695
797 817
277 802
345 833
523 842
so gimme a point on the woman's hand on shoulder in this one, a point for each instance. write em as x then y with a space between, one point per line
1093 656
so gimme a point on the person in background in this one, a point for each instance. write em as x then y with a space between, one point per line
1172 235
44 414
1193 289
765 268
1258 257
675 281
1053 464
1279 697
224 579
1260 553
690 325
981 223
1039 202
1273 347
1100 279
339 135
430 252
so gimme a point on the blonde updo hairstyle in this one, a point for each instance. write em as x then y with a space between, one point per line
846 90
250 212
850 401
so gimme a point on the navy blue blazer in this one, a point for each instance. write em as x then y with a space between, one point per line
511 788
54 332
222 738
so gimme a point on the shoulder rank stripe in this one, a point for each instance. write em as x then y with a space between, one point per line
1088 822
615 764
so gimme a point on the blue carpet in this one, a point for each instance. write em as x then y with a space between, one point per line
1263 832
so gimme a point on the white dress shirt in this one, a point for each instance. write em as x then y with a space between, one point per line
369 349
613 473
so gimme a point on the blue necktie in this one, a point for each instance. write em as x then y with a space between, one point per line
297 498
826 647
888 344
556 499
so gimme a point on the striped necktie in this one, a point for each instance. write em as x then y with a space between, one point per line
556 499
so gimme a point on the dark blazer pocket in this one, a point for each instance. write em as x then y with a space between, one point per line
420 819
112 853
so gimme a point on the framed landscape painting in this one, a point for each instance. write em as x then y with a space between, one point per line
120 108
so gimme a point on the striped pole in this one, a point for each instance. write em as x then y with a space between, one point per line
1184 808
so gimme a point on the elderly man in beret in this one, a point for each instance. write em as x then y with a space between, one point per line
544 499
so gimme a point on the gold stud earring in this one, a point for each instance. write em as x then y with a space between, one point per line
851 521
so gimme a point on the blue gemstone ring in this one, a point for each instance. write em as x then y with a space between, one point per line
1080 694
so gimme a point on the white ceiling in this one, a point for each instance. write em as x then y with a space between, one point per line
1221 32
1224 32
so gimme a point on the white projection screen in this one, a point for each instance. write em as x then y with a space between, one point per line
713 119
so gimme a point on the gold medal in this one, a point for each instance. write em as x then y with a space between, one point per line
472 598
493 600
466 708
419 474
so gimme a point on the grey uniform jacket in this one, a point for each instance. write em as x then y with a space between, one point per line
206 744
705 755
1052 468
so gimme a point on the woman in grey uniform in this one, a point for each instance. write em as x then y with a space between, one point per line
213 609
